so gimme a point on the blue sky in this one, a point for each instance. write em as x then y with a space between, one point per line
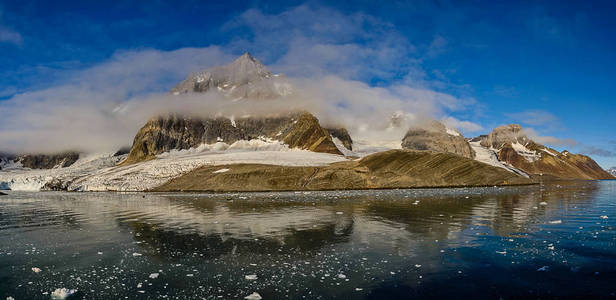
545 64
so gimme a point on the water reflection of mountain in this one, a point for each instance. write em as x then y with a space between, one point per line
215 225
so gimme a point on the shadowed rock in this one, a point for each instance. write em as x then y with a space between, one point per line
47 161
162 134
343 135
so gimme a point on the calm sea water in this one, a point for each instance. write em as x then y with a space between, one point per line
545 241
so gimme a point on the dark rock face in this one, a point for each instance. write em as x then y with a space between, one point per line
122 151
343 135
5 159
162 134
47 161
515 148
436 137
3 194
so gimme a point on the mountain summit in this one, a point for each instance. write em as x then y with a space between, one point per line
244 78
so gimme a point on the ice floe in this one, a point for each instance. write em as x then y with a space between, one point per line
62 293
253 296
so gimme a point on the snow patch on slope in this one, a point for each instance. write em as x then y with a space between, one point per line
488 156
340 145
529 155
452 132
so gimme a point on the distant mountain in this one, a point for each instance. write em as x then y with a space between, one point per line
438 138
516 149
39 161
612 171
244 78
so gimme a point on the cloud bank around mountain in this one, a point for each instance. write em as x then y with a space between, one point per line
351 70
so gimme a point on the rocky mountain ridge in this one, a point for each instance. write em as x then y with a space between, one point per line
39 161
516 149
299 130
262 150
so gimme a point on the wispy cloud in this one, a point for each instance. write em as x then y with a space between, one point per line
549 140
8 35
465 126
591 150
536 118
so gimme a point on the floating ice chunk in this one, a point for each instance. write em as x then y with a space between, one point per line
220 171
100 253
253 296
139 285
556 222
137 254
543 269
10 298
154 275
251 277
36 270
543 203
62 293
359 289
603 217
502 252
417 266
339 213
341 276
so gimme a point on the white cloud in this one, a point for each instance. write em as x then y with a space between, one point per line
549 140
327 55
536 118
465 126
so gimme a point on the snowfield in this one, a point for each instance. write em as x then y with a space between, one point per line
101 173
149 174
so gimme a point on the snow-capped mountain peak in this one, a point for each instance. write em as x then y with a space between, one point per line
246 77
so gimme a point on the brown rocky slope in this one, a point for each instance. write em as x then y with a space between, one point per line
539 161
390 169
